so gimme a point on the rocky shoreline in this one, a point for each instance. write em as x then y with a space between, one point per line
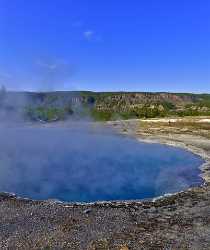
178 221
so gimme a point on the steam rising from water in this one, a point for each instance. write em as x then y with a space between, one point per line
54 73
79 163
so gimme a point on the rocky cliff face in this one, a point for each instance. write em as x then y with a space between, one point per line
63 98
139 99
153 104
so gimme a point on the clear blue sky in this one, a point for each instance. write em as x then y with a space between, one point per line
105 45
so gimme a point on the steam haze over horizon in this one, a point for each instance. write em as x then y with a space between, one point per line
105 45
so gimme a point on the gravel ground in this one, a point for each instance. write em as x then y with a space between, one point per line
181 221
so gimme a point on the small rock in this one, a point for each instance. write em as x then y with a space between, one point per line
87 211
124 248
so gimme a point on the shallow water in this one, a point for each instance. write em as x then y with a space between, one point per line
80 164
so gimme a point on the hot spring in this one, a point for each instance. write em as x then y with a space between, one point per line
84 165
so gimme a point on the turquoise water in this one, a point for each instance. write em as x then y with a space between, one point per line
90 165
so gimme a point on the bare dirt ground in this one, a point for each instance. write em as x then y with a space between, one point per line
179 221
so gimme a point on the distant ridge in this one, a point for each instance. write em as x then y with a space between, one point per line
56 105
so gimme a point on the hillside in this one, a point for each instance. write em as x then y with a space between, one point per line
58 105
